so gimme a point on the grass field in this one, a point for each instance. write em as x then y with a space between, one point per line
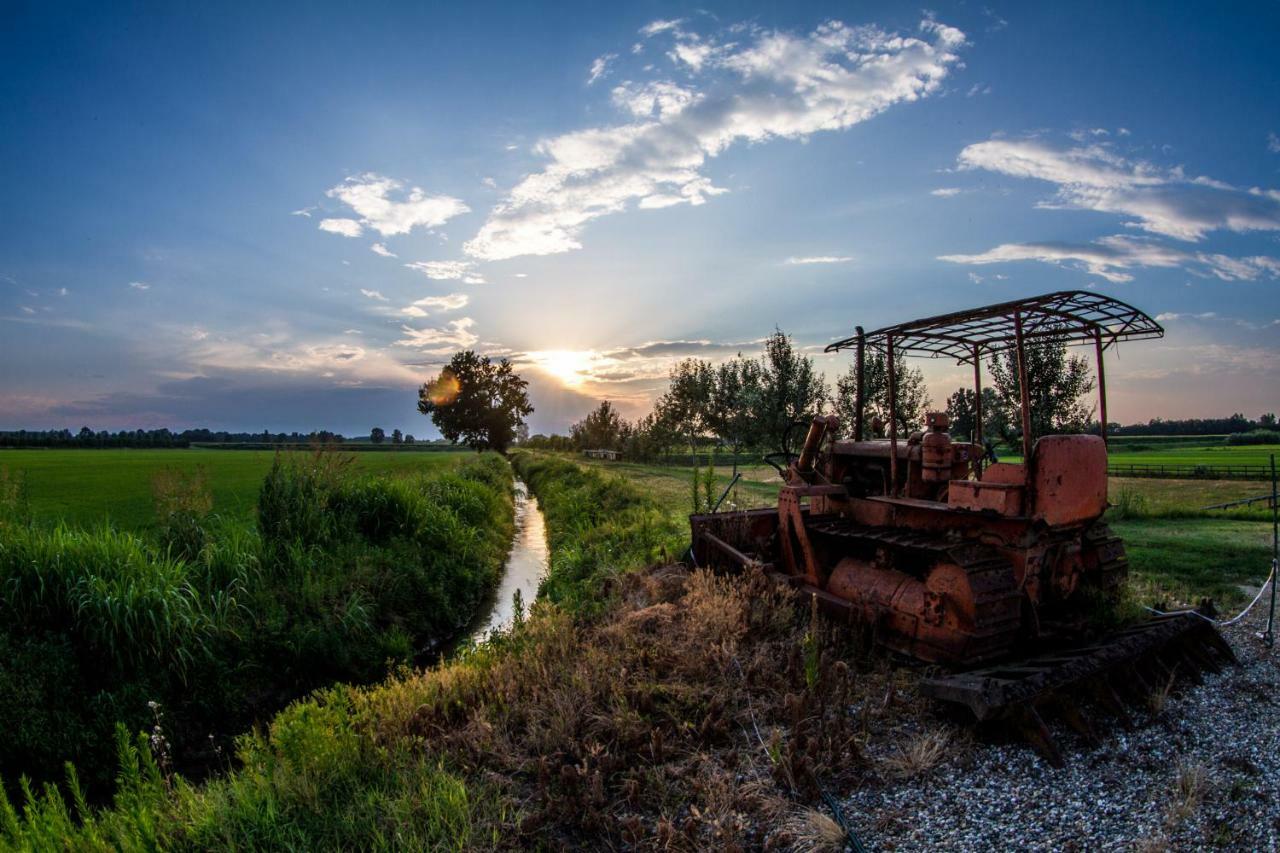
84 487
1175 549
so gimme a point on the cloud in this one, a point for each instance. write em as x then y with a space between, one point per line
600 67
1168 316
946 192
381 249
139 285
774 85
448 270
818 259
456 335
345 227
1161 201
62 291
371 197
660 26
1112 257
374 294
424 306
1273 143
306 211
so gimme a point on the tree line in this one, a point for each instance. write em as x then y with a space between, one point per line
753 403
164 438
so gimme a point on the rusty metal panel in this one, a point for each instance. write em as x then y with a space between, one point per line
1070 477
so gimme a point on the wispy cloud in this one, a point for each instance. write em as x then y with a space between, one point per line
374 294
946 192
384 205
423 307
305 211
455 335
448 271
818 259
381 249
600 67
1160 200
1273 143
1112 258
345 227
770 85
139 285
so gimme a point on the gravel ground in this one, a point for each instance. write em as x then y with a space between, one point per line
1203 773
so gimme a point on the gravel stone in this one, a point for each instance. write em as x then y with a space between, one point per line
1125 794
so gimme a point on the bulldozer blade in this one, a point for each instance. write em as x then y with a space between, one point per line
1031 725
1076 719
1109 699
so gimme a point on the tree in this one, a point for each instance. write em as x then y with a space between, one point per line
790 391
397 437
910 402
960 408
1267 421
602 428
734 398
1056 381
476 401
409 439
377 436
684 405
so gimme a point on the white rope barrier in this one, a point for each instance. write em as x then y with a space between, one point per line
1226 622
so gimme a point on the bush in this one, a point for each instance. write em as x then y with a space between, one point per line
1257 436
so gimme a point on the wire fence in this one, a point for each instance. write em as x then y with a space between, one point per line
1191 472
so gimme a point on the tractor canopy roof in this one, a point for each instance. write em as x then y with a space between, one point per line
1071 316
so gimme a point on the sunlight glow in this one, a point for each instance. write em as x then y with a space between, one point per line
570 367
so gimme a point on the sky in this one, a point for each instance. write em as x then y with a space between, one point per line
288 216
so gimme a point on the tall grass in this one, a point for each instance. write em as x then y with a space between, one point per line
222 623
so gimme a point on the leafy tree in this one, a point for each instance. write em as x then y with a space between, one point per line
1268 421
602 428
397 437
911 400
961 410
684 405
377 436
734 400
474 400
790 391
409 439
1056 382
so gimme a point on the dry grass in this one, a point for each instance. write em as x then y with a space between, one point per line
811 830
919 754
1189 789
689 719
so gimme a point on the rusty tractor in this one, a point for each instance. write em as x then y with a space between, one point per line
991 569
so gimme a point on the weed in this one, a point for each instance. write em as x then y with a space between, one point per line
921 753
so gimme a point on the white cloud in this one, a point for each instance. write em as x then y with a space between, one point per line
977 89
306 211
946 192
1112 258
1168 316
374 294
448 270
774 85
1273 143
654 27
600 67
520 275
371 197
818 259
345 227
139 285
62 291
455 335
26 309
381 249
423 307
490 183
1162 201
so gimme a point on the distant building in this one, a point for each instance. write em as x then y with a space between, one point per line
602 454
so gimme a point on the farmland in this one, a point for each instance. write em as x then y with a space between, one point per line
86 486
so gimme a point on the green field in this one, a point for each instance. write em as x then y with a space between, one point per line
86 486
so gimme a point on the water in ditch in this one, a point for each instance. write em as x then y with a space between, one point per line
525 568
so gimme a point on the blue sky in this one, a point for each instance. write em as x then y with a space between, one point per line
288 217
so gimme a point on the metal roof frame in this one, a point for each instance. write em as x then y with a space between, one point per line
1071 316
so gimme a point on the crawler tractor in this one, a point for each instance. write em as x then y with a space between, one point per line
951 557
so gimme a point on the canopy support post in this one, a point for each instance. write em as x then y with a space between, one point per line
859 401
1025 393
977 404
893 419
1102 384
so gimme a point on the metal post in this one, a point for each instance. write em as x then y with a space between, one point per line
893 419
1102 383
977 404
1022 386
858 400
1269 637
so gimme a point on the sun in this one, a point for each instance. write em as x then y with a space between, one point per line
568 366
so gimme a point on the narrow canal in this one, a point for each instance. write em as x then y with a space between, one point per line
525 568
